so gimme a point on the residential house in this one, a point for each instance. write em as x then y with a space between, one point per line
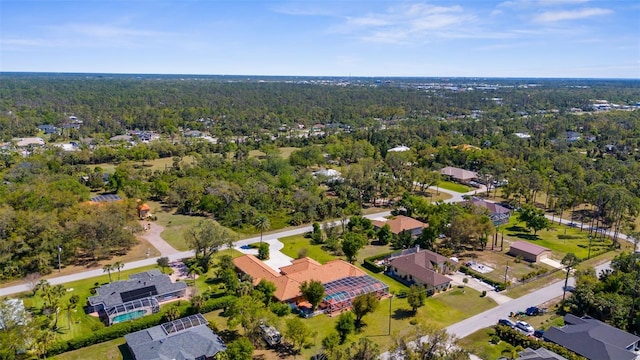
144 211
342 281
459 175
529 251
139 296
125 138
572 136
188 338
401 148
499 214
594 339
105 198
48 129
29 142
539 354
402 223
421 267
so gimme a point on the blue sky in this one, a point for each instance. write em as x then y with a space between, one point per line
478 38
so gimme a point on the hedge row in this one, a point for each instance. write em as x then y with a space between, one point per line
121 329
498 285
370 262
515 338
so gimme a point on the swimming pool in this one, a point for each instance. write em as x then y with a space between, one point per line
128 316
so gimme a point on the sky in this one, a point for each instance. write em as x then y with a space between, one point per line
434 38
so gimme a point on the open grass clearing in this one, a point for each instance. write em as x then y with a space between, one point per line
560 239
293 245
115 349
285 152
156 164
452 186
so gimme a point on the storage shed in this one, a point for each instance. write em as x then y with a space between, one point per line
528 251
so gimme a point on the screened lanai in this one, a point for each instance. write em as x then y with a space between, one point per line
339 293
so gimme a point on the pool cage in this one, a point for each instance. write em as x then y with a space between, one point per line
339 293
184 323
150 303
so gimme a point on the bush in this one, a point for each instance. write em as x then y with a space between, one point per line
413 321
263 251
533 274
495 339
280 309
568 237
370 262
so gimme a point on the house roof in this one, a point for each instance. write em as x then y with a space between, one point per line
491 206
288 282
420 265
23 142
106 198
401 223
182 339
144 207
539 354
593 339
529 247
460 174
401 148
140 285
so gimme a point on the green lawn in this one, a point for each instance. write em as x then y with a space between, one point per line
448 185
109 350
293 244
174 228
551 239
157 164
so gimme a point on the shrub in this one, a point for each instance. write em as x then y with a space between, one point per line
495 339
280 309
263 251
370 262
413 321
568 237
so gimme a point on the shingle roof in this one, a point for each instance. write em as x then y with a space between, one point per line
106 198
288 283
529 247
460 174
401 223
182 339
592 339
420 266
491 206
539 354
153 282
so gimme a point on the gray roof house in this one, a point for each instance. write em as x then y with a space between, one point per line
139 296
594 339
539 354
187 338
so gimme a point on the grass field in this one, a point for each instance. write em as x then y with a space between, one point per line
109 350
448 185
293 244
552 239
157 164
174 227
285 152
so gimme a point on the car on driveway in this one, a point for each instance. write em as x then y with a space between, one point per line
506 322
525 327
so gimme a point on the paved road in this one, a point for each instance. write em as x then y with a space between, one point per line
169 252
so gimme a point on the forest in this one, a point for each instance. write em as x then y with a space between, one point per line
45 196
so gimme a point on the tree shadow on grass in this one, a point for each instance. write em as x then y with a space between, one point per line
525 236
516 228
400 314
228 336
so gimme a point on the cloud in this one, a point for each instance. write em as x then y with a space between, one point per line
408 23
555 16
538 3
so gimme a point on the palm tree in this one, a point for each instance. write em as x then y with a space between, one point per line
70 305
118 265
569 261
262 224
194 270
57 292
197 302
107 268
172 313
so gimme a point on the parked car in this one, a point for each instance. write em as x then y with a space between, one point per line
507 322
534 310
538 333
525 327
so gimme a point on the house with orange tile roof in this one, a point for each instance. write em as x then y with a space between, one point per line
290 277
401 223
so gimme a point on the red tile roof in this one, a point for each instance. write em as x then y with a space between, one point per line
306 269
